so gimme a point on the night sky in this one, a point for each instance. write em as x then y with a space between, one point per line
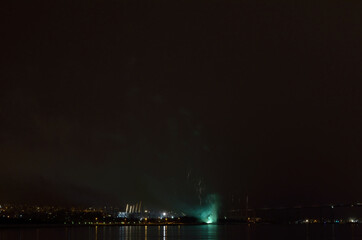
114 101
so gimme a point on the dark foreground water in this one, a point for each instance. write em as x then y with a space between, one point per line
251 232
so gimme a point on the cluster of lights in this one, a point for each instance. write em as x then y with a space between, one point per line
351 220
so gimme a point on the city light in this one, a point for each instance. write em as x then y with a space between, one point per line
351 220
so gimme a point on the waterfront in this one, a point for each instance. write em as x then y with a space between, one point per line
183 232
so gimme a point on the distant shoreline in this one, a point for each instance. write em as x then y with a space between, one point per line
95 225
4 226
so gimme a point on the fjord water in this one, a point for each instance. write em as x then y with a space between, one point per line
242 232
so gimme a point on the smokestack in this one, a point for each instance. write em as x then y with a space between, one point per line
136 210
127 208
139 207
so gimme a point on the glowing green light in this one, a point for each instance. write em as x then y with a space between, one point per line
209 212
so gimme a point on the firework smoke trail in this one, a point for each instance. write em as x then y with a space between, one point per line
198 187
199 191
188 174
207 211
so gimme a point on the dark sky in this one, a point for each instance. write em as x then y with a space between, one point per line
112 101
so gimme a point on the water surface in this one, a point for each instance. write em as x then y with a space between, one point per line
242 232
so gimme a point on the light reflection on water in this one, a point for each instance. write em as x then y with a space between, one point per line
241 231
96 234
164 232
